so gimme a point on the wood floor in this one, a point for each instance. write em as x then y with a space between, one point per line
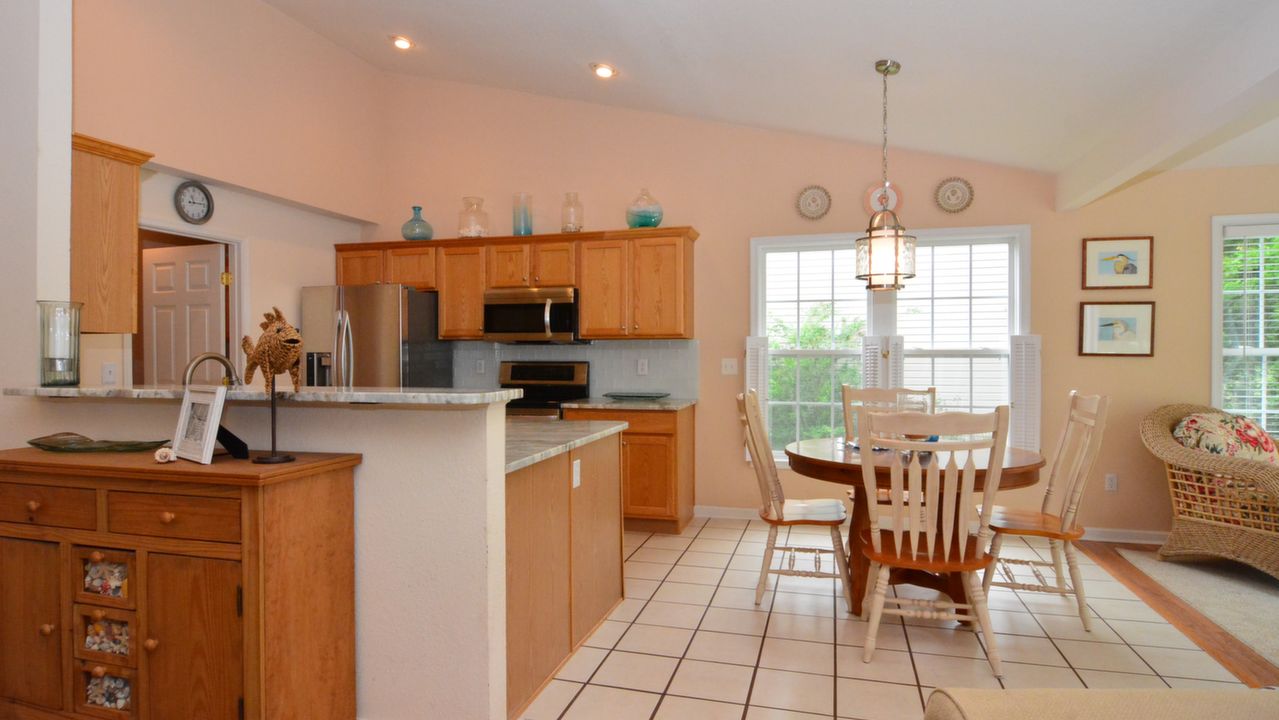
1250 667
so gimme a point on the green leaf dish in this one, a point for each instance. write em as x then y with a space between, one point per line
70 442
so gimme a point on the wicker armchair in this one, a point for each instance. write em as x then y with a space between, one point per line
1222 506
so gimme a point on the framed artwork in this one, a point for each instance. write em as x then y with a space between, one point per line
1119 263
1117 328
198 422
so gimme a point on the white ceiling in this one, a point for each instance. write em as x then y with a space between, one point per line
1029 83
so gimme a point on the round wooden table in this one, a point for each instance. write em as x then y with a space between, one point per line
833 460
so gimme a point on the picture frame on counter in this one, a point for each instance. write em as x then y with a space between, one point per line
1119 263
1124 329
197 430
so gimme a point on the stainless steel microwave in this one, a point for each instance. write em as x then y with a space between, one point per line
541 315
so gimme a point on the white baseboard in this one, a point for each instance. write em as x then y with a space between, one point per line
1147 537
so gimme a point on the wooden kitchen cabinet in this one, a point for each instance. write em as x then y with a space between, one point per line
361 267
412 266
216 592
563 561
661 287
555 264
658 476
461 283
508 266
104 233
603 303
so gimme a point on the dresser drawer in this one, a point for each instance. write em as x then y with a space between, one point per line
48 505
177 516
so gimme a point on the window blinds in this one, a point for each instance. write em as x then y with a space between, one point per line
1250 325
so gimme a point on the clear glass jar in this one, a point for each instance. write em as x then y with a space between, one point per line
522 214
59 343
571 214
644 211
472 222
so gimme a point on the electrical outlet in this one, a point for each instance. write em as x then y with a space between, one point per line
1112 482
577 473
109 371
641 366
479 366
728 366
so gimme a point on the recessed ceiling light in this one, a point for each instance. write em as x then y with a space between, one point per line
603 70
401 42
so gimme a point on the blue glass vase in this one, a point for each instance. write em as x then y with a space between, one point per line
417 228
644 211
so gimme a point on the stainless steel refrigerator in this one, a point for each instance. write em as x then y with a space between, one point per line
373 336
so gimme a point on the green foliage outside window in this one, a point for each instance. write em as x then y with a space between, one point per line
804 391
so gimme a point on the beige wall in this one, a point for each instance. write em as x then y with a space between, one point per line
430 142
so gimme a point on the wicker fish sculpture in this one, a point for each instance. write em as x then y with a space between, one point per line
279 350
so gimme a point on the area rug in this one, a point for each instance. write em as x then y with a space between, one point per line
1241 600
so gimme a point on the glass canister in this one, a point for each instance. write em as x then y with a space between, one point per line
571 214
522 214
472 222
417 228
59 343
644 211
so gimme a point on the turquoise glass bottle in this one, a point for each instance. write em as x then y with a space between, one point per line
417 228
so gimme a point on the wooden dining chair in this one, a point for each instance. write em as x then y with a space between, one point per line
932 524
778 511
1076 452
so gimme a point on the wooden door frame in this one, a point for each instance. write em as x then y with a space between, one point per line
237 298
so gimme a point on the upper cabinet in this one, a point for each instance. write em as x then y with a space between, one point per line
630 283
104 233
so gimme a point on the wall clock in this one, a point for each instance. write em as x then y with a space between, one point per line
874 192
954 194
194 202
813 202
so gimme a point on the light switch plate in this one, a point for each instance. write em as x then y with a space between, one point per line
641 366
479 366
1112 482
728 366
577 474
109 373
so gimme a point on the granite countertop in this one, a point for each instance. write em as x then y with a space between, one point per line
668 403
532 440
331 396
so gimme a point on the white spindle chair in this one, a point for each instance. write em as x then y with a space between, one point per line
933 524
778 511
1076 451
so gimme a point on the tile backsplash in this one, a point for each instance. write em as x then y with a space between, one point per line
672 364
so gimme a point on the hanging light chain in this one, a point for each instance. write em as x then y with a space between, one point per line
883 197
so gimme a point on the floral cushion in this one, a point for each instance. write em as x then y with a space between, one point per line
1221 433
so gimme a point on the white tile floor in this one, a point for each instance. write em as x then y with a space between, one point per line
689 643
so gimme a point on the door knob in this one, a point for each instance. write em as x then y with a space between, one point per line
98 671
33 505
46 630
167 517
151 644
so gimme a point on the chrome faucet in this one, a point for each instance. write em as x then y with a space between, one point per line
223 359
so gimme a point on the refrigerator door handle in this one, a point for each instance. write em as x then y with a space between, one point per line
349 355
336 354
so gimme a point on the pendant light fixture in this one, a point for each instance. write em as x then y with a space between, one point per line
886 254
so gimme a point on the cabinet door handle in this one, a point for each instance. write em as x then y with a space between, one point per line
151 644
635 327
96 557
46 630
33 505
167 517
98 671
537 278
98 614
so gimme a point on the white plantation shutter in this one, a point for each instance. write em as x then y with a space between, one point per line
896 361
755 373
873 365
1025 392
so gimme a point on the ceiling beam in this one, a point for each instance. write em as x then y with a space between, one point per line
1230 90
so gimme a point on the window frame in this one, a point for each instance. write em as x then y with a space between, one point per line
1223 226
881 307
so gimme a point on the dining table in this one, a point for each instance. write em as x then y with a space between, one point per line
838 461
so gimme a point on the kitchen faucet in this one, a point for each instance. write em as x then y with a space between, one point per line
223 359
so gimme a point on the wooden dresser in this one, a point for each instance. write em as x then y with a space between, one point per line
132 589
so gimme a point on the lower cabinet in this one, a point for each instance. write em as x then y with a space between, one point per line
154 611
657 464
563 561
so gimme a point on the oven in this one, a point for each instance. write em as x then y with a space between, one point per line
546 384
532 315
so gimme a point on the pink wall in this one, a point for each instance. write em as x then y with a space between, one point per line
235 91
294 117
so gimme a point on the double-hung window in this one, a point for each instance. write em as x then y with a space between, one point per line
1245 358
955 319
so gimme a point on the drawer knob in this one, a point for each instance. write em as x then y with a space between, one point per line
636 326
151 644
98 671
98 615
167 517
33 505
46 630
96 557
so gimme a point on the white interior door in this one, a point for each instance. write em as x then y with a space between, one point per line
183 311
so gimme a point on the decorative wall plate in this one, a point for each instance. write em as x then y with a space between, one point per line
873 193
954 194
813 202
